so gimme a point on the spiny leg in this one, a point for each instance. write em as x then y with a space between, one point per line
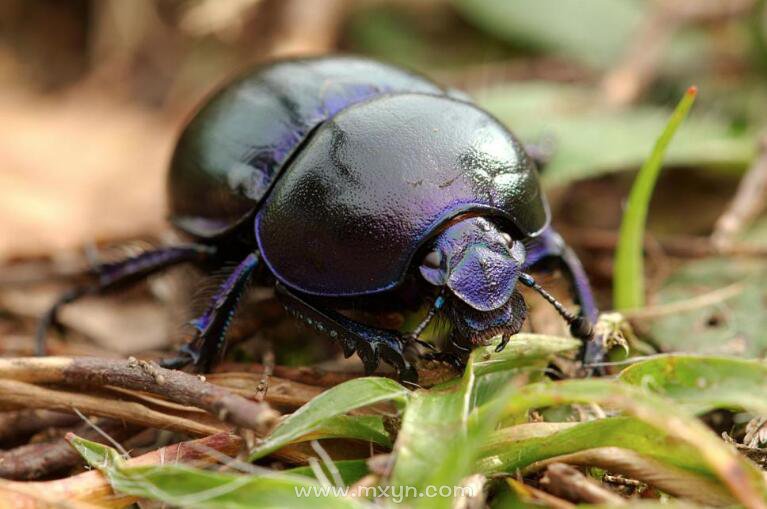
114 275
549 245
210 327
370 343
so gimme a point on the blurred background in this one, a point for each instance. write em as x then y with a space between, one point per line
94 92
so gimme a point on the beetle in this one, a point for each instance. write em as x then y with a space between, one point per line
346 183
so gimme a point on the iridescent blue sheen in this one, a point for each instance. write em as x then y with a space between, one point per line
377 181
236 145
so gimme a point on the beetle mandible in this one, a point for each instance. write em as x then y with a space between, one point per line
348 183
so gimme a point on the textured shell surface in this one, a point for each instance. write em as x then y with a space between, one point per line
379 179
237 144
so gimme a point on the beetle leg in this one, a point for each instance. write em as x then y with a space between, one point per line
371 344
550 246
211 326
115 275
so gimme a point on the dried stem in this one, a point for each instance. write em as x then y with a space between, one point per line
20 424
567 482
748 202
34 461
176 386
305 375
680 246
15 394
94 488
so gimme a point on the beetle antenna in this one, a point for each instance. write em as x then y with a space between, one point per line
579 325
439 302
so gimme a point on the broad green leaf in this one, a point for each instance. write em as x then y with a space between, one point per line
184 486
396 33
741 477
369 428
505 451
704 383
590 139
336 401
595 32
628 277
712 307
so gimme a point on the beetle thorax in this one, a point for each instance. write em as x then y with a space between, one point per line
478 264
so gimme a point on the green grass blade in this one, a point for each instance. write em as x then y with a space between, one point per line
624 445
328 405
743 479
441 433
704 383
628 290
183 486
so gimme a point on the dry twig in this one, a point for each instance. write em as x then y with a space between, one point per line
15 394
567 482
20 424
35 461
94 488
749 202
174 385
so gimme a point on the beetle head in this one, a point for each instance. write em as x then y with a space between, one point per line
480 265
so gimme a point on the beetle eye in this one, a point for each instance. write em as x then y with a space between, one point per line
507 239
433 260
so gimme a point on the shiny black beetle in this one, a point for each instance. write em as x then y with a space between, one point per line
350 184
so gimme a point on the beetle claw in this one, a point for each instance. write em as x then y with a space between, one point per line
370 356
347 346
504 341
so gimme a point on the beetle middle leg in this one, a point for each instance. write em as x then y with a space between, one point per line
549 246
112 276
370 343
210 327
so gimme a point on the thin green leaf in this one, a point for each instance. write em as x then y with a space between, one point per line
741 477
336 401
510 449
628 288
704 383
622 445
184 486
441 433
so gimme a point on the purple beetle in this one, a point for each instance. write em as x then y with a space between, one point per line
348 184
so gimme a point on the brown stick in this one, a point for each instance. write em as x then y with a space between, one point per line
305 375
14 394
94 488
638 69
567 482
749 201
20 424
678 246
34 461
144 376
283 394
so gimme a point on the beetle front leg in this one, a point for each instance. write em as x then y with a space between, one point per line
549 246
116 275
210 336
370 343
